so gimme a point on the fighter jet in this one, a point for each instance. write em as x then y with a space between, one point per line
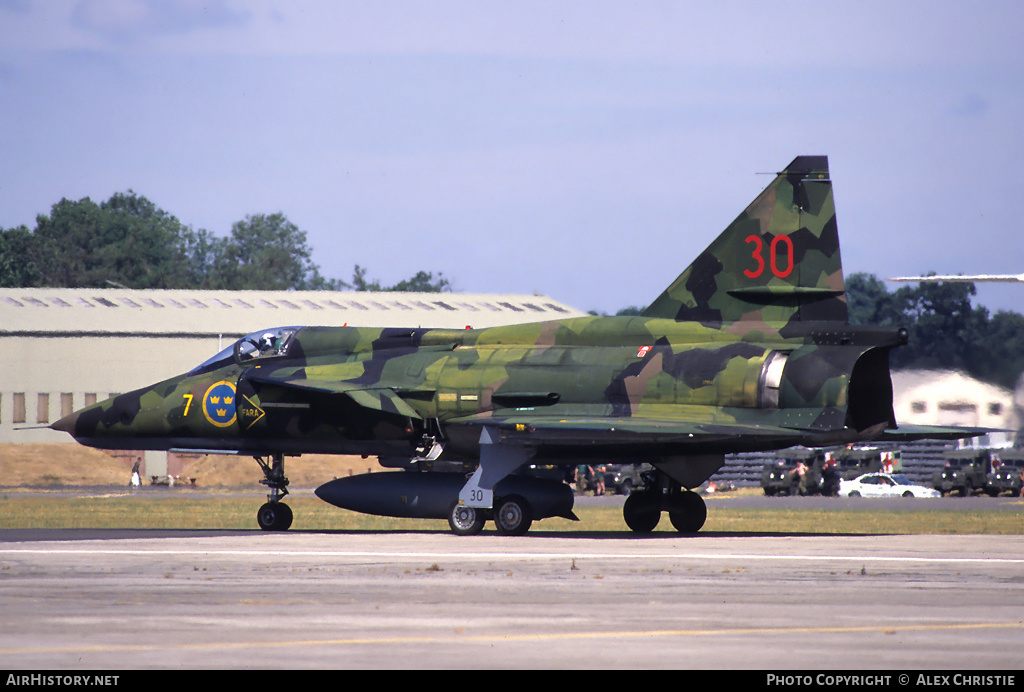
748 349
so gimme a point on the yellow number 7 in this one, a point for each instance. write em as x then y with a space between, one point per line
188 403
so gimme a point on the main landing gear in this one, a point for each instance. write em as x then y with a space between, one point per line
642 509
274 515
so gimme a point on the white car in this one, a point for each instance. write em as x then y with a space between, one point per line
884 485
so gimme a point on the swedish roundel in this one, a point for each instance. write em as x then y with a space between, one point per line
219 404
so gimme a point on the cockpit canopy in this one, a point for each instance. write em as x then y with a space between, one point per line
265 343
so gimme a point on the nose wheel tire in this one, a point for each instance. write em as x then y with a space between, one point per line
274 516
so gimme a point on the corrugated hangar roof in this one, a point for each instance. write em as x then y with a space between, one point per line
65 311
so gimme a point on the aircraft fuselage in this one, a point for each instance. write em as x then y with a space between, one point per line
371 391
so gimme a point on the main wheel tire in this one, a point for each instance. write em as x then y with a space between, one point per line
641 511
274 516
513 516
465 521
688 513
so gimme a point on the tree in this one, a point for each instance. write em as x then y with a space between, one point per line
1002 361
204 258
266 252
129 241
946 331
17 258
361 283
125 241
421 282
869 302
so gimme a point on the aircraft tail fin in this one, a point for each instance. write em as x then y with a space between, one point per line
777 263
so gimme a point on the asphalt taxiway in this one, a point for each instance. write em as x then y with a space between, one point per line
136 599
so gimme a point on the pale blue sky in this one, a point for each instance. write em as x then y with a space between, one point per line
585 150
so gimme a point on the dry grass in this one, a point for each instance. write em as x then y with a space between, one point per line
36 465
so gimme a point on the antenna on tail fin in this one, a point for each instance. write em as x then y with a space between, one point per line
777 263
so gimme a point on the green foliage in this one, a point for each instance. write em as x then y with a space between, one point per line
17 263
126 240
263 252
361 283
869 302
1003 349
129 241
421 282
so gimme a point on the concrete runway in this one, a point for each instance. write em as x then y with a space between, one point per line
134 599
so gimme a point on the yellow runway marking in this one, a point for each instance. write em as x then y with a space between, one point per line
500 638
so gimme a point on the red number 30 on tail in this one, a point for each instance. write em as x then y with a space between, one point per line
773 256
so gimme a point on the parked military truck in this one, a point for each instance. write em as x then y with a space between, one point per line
856 461
623 479
965 472
1006 473
799 471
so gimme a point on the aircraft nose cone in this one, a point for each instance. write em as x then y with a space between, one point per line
67 423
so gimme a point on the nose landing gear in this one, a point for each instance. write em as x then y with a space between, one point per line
274 515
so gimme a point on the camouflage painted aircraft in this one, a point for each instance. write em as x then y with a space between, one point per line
748 349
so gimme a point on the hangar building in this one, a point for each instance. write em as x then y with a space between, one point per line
62 349
949 397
